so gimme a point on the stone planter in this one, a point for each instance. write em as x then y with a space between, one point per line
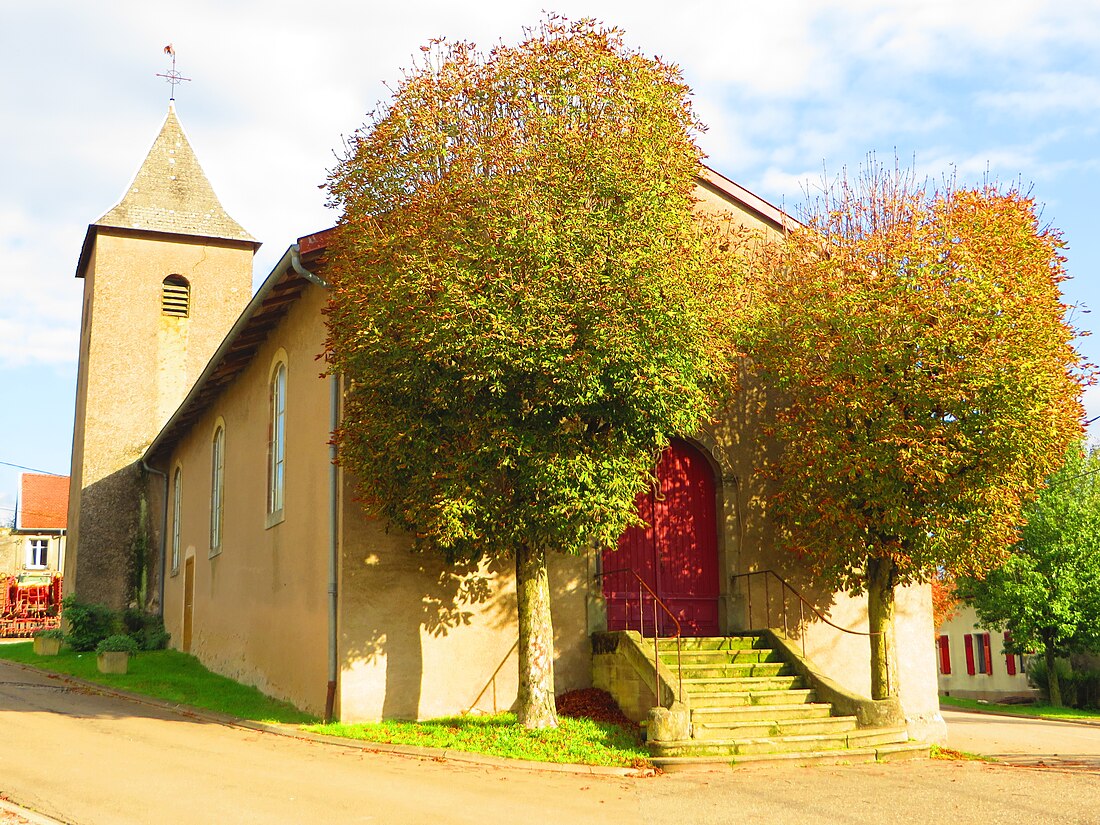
45 646
113 662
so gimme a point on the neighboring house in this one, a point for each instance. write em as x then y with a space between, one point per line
35 547
274 575
973 663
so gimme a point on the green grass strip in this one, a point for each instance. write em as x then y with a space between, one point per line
168 675
1037 711
579 741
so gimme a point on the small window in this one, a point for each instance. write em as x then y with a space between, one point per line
276 446
175 296
177 501
217 488
37 553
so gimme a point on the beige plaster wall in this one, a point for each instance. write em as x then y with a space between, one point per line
136 365
996 685
420 639
260 604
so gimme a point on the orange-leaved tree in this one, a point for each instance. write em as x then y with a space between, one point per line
928 381
524 303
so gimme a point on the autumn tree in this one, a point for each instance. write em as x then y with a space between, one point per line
1047 592
927 382
524 305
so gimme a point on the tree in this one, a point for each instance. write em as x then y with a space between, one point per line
1047 592
928 380
524 304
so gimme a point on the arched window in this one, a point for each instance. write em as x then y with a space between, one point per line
217 488
276 446
175 296
177 502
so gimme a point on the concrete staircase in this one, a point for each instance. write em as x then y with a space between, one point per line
748 705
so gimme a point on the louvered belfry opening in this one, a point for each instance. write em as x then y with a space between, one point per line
175 297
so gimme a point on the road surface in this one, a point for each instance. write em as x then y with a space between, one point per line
92 759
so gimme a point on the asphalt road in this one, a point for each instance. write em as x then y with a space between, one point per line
92 759
1021 741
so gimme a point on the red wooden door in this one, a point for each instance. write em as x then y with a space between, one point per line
675 552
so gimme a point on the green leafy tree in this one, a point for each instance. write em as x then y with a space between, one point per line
927 378
524 304
1047 592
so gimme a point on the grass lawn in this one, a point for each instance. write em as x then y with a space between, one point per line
581 741
169 675
1037 710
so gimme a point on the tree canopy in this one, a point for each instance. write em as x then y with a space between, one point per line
524 303
1047 592
928 384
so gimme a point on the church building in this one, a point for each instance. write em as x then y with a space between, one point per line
204 486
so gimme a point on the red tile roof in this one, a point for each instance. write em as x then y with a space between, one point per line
43 502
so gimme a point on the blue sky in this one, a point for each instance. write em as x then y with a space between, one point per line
1009 88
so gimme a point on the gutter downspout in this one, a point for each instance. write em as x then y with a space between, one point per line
333 546
163 533
333 508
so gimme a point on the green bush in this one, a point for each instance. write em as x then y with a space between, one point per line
89 624
147 629
1080 688
118 643
52 633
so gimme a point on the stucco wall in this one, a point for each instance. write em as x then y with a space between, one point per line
136 366
421 639
996 685
260 604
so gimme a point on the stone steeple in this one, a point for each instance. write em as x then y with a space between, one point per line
166 273
171 193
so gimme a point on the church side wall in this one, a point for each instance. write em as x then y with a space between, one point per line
421 639
260 604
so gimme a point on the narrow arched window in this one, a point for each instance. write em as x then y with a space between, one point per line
177 502
217 488
276 447
175 296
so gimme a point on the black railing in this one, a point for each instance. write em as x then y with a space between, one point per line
786 590
657 602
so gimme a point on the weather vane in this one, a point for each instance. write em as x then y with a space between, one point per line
172 76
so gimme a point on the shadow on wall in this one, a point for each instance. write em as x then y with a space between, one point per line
744 447
115 551
398 600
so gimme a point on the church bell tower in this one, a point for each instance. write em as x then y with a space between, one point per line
166 273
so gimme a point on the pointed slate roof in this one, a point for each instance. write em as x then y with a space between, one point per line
170 193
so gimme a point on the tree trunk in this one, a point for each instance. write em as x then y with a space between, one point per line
536 640
881 578
1054 687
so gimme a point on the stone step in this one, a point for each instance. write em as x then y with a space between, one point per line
741 684
711 643
885 753
734 699
754 713
735 670
703 728
707 657
868 738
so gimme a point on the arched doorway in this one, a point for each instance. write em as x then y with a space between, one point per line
675 552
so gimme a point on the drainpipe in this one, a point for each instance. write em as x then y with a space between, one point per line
333 508
163 532
333 545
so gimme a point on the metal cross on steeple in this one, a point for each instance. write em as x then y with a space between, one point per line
172 76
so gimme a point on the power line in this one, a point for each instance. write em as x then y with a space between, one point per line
30 469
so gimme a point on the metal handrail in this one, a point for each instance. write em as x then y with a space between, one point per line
802 605
656 631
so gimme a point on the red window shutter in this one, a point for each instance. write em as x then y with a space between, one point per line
1010 658
945 654
968 641
988 654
